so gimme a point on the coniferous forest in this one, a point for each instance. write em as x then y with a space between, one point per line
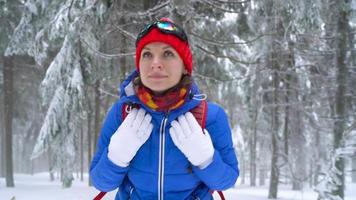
284 71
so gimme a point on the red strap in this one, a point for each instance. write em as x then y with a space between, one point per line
123 112
219 192
221 195
125 108
200 112
99 196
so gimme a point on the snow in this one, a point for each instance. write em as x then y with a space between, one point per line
38 187
31 7
50 124
353 4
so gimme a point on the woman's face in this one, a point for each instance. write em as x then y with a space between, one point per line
160 66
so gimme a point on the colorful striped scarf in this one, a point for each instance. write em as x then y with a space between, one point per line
169 100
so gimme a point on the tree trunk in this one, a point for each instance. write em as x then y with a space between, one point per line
61 176
274 178
318 159
353 173
311 171
124 68
286 116
254 106
81 151
253 139
50 163
300 164
243 168
97 112
340 112
8 107
286 127
89 133
2 151
2 131
262 164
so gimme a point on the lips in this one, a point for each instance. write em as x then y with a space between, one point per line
157 76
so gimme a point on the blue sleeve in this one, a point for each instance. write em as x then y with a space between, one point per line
223 172
105 175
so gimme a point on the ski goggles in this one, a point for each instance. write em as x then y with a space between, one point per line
164 27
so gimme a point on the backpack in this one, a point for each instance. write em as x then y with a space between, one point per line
199 112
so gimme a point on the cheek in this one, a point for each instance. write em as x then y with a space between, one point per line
143 73
143 68
178 73
179 69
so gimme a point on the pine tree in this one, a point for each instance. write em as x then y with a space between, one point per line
333 185
62 88
8 16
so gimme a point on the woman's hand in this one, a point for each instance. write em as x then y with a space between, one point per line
189 137
129 137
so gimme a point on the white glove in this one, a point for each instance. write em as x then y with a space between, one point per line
188 136
129 137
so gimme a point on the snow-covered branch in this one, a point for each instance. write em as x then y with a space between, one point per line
224 56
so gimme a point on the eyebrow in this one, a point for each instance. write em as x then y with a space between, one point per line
165 47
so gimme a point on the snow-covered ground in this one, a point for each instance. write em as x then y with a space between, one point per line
38 187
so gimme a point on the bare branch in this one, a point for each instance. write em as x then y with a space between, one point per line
219 7
230 1
70 7
217 80
228 57
147 13
104 55
130 35
227 43
108 93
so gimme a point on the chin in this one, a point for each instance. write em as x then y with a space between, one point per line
158 89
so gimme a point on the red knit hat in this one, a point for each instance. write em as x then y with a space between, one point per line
155 35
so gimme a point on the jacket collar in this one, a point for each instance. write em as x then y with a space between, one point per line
127 94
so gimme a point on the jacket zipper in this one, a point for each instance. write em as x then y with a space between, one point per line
161 157
131 191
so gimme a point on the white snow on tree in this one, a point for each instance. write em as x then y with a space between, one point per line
60 125
43 27
330 179
22 40
329 182
59 26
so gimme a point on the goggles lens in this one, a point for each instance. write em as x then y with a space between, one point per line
164 27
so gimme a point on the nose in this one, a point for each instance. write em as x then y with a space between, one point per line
156 63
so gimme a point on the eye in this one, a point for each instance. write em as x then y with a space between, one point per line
146 54
168 53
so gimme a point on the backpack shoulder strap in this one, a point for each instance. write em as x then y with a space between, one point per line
126 108
200 113
99 196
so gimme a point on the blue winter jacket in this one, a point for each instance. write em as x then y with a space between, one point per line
160 170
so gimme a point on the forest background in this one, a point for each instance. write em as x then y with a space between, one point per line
284 70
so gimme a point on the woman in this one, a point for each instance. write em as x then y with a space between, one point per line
160 151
